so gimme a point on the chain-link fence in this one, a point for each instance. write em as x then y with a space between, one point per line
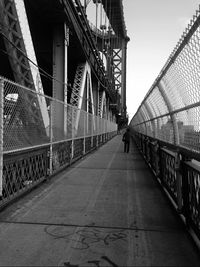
171 109
166 127
40 135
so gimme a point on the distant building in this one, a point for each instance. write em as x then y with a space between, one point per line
167 132
192 139
187 135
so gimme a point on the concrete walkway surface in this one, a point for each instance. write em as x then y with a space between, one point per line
105 210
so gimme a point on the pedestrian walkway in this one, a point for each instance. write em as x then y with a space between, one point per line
105 210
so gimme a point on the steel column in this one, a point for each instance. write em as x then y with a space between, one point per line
1 133
51 140
123 73
66 44
59 75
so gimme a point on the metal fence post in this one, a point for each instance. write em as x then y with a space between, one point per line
97 131
185 190
106 130
84 132
72 123
51 139
160 164
92 125
157 167
1 133
178 182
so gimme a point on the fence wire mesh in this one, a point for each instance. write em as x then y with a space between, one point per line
24 123
171 109
39 135
31 119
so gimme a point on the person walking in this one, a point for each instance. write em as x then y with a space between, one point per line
126 139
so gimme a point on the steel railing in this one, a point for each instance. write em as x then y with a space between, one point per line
179 175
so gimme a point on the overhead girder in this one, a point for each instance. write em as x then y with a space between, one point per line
75 12
115 14
107 36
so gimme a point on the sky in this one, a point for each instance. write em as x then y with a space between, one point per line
154 28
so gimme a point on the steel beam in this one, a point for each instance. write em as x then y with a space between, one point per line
1 133
123 73
59 76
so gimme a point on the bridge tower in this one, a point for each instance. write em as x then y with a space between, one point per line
111 38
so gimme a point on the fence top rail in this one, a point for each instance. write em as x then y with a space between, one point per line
193 165
170 152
